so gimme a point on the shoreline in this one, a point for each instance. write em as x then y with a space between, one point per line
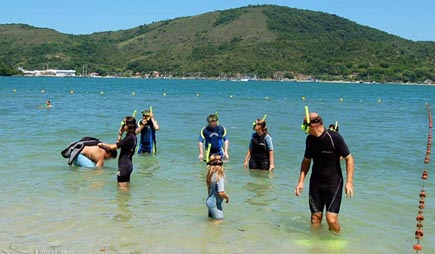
238 80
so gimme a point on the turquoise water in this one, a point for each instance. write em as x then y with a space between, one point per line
49 206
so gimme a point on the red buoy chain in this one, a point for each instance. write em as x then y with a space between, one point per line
419 233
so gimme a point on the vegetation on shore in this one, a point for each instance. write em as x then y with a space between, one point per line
266 41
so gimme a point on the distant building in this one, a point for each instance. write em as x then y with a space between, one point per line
49 73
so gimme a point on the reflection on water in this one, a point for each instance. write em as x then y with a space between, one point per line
123 213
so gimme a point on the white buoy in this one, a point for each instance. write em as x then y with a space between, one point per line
42 91
267 97
379 101
341 100
164 94
71 92
15 90
197 94
303 98
102 93
231 96
133 93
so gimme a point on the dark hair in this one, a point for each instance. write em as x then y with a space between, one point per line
131 124
113 153
262 123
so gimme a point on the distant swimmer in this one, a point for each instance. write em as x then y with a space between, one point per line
128 147
216 187
147 129
215 137
260 153
86 153
47 104
325 148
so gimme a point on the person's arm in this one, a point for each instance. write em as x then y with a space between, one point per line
100 162
350 166
247 157
225 196
271 160
140 127
305 167
155 124
201 150
226 147
121 130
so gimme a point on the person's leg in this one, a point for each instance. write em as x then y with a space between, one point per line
316 219
332 219
124 186
333 203
123 179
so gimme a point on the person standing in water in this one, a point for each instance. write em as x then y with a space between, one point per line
214 135
128 147
215 186
260 154
325 148
147 129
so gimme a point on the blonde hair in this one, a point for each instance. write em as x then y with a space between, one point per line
215 165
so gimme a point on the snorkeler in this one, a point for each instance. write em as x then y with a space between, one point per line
260 153
325 148
214 135
86 153
147 129
128 147
215 186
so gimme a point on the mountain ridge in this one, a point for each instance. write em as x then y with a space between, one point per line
265 40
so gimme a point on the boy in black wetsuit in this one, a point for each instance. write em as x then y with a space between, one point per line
325 148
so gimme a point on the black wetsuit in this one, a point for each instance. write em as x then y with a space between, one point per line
326 182
125 160
259 152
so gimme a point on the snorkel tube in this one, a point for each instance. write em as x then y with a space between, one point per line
217 116
305 127
133 115
263 119
207 158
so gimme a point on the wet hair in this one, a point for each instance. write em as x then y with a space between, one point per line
262 123
113 153
215 165
131 124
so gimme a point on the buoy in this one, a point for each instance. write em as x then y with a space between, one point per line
133 93
419 233
164 93
15 90
42 91
267 97
197 94
341 100
422 194
417 247
379 101
303 98
420 217
419 225
102 93
71 92
231 96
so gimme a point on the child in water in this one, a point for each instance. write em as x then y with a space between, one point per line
215 185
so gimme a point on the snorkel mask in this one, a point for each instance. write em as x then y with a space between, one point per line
123 123
212 118
305 127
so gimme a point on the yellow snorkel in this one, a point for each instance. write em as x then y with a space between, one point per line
133 115
207 158
263 119
306 125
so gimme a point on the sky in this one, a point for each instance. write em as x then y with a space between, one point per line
412 20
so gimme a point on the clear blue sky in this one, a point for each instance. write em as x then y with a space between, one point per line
413 20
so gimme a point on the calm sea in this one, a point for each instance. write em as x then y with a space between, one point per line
48 206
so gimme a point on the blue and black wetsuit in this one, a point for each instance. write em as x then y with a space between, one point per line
326 182
147 139
214 136
260 146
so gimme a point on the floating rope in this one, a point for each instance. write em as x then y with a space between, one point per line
424 176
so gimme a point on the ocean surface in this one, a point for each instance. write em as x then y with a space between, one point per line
47 206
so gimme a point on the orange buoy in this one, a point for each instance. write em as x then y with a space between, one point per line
422 194
417 247
419 233
420 217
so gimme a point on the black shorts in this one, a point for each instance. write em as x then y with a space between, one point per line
325 195
262 165
124 175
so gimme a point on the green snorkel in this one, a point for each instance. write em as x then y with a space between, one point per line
306 124
133 115
207 158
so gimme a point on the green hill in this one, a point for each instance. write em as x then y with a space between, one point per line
267 41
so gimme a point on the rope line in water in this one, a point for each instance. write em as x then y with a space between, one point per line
424 176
